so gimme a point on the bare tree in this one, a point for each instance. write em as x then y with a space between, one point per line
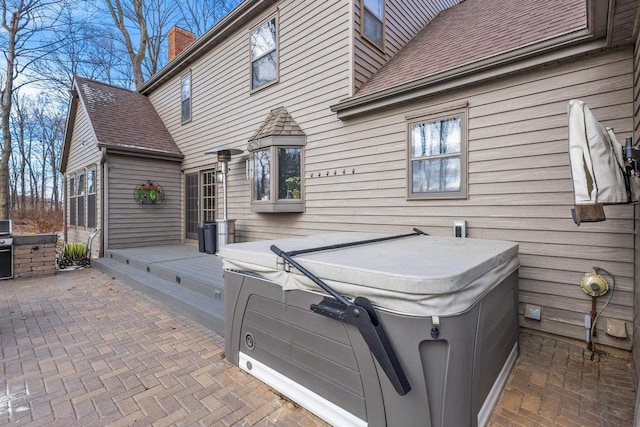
49 125
159 15
20 132
86 49
22 21
131 14
198 16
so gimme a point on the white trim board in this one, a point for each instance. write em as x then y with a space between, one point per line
318 405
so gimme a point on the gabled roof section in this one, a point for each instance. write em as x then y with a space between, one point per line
124 119
481 34
278 123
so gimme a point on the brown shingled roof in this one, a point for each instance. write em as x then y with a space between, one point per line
474 30
124 119
277 123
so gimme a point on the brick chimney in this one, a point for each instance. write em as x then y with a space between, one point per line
179 40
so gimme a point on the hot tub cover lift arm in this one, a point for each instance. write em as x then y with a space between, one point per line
359 313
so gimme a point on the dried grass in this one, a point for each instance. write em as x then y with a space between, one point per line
36 221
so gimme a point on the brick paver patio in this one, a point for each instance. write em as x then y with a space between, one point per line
78 349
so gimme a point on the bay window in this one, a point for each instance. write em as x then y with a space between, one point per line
277 176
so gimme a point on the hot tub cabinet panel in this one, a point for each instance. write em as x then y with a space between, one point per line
327 367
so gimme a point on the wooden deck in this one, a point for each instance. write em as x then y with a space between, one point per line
180 260
179 276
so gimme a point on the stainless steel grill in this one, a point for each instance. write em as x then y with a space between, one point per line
6 249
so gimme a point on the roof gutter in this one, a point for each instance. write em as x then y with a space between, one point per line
238 17
155 154
555 48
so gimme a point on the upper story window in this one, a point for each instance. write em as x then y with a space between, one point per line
373 21
264 54
185 98
438 157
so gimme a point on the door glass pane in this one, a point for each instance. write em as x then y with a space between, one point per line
288 173
436 175
191 208
209 195
261 175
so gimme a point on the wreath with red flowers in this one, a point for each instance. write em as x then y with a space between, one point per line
149 193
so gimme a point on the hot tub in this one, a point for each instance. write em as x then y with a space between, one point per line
445 312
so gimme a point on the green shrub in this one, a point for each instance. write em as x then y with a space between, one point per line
75 251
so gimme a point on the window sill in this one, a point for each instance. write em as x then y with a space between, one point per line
437 196
381 49
290 207
264 86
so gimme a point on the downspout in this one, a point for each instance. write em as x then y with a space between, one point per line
104 173
65 205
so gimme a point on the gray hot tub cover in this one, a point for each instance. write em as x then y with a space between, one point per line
419 276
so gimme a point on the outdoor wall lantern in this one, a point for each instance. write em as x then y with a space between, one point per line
148 193
225 226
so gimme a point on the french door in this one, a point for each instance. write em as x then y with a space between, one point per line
200 200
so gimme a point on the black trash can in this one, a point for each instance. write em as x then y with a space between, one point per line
201 246
210 242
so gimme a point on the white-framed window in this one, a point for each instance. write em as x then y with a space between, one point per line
438 156
277 177
372 21
91 197
185 98
73 200
81 192
264 54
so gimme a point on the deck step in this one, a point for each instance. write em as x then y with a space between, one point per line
180 271
204 309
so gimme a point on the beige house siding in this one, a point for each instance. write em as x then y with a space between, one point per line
83 154
519 185
130 224
355 172
313 74
403 20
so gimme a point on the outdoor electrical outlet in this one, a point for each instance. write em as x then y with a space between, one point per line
532 312
460 228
